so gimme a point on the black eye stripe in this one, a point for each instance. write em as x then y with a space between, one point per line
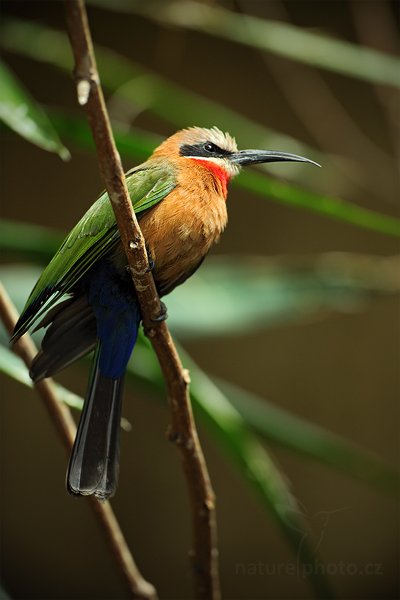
205 149
210 147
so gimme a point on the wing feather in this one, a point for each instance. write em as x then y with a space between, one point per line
93 237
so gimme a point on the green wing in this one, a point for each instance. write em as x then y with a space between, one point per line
91 239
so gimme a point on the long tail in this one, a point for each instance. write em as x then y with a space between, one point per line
93 467
94 463
106 316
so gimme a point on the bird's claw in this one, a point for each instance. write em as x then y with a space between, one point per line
163 315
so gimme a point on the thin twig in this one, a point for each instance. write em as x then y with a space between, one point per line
62 418
183 431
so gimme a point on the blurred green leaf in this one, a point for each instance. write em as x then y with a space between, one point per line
141 87
233 295
242 447
18 280
136 89
218 401
235 437
284 39
3 594
20 112
31 241
12 366
137 144
271 422
231 429
246 293
148 91
330 207
295 433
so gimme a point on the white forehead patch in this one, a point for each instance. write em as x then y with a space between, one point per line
197 135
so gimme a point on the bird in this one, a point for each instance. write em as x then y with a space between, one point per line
85 298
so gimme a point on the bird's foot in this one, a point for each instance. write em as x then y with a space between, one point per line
163 315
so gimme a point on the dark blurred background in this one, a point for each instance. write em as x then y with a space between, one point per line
338 370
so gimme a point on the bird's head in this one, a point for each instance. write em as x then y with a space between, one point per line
218 152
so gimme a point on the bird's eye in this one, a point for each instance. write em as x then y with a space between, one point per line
209 147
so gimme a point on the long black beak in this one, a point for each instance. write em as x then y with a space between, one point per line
253 157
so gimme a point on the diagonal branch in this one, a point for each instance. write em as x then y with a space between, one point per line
183 430
62 418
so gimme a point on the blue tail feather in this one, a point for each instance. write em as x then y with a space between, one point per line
94 464
117 316
93 467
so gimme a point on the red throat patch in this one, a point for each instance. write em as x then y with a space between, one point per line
219 173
